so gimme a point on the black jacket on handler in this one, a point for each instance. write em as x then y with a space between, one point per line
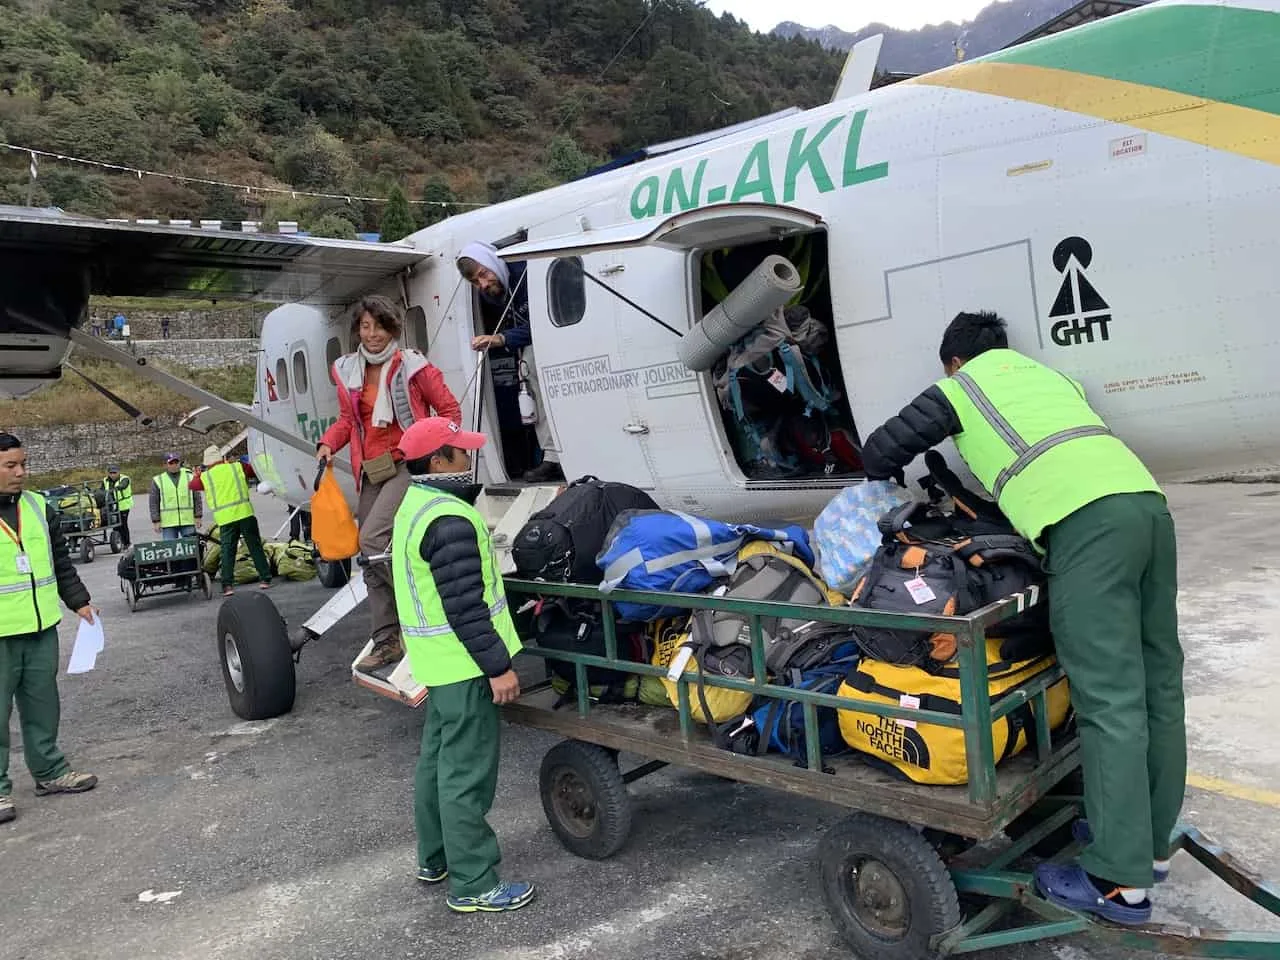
922 425
71 590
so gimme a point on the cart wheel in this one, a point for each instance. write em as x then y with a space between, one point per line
585 799
131 595
86 550
115 542
333 573
257 661
206 586
886 889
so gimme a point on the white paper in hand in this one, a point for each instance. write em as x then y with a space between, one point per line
90 640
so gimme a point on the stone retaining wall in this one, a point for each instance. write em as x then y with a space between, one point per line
89 444
199 354
232 323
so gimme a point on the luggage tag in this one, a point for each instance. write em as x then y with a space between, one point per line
920 591
779 381
908 702
678 663
24 563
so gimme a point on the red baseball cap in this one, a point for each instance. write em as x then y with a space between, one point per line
427 436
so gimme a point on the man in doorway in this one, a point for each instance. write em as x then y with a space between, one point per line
120 496
504 303
1091 506
35 573
460 640
226 484
176 509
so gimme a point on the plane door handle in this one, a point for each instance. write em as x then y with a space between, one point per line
635 429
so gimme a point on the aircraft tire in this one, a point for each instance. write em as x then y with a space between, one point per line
333 573
257 661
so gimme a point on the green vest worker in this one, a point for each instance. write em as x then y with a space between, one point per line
1085 500
460 639
176 509
226 486
120 492
35 573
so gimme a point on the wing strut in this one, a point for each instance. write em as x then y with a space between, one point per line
91 344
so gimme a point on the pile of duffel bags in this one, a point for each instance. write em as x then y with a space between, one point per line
874 548
292 561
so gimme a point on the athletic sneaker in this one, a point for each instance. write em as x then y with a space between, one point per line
432 874
7 810
69 782
507 895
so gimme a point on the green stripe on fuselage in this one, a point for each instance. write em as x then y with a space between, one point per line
1229 54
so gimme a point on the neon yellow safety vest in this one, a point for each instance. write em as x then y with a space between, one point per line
123 500
1031 438
28 588
177 500
436 655
227 489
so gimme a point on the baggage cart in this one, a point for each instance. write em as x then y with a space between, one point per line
164 566
897 869
86 518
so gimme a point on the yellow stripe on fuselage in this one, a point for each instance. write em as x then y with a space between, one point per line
1221 126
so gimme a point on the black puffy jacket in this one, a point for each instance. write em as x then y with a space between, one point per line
923 424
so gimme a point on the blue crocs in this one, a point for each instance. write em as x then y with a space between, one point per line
1070 887
508 895
432 874
1082 835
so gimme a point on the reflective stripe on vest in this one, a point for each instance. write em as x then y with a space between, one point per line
1024 454
177 501
28 601
436 656
228 492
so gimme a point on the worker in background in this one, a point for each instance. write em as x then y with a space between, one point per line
504 303
176 509
226 484
35 573
460 639
120 494
1090 505
382 389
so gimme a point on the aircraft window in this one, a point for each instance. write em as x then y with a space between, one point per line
282 379
300 371
566 291
416 319
332 351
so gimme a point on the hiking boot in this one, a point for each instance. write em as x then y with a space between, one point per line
507 895
383 653
432 874
69 782
545 472
7 810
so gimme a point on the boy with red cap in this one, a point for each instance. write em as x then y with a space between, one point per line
460 638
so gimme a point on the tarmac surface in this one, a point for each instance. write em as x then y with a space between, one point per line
293 838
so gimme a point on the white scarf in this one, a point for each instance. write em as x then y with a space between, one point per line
383 411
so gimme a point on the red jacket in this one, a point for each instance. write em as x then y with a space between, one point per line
428 396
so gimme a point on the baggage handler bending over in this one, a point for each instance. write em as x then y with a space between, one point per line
460 639
1096 513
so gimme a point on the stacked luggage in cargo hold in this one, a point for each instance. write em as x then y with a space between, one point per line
874 547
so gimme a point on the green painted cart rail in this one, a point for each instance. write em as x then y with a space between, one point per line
893 888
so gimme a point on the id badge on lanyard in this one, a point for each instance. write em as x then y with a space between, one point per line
22 561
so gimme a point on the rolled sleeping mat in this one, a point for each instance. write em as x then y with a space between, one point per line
768 287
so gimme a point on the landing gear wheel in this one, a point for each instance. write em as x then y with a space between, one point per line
257 661
585 799
131 595
86 550
206 586
887 890
333 573
115 542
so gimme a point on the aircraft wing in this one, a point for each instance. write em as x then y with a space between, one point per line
190 263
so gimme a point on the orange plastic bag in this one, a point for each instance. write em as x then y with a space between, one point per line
333 528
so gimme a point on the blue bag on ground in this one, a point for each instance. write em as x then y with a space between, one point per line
675 552
845 536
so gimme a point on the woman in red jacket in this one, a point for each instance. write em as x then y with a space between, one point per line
382 389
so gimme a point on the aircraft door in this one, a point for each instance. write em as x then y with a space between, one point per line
583 381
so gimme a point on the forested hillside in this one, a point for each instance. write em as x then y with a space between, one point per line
447 100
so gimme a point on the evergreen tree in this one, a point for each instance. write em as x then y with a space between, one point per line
397 221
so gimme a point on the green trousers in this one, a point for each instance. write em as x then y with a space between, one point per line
29 678
229 543
1113 584
456 781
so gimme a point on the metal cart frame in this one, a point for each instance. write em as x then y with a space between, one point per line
81 533
167 553
892 888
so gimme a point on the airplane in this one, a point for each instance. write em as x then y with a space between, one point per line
1103 189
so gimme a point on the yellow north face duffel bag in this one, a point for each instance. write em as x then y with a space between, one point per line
927 753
